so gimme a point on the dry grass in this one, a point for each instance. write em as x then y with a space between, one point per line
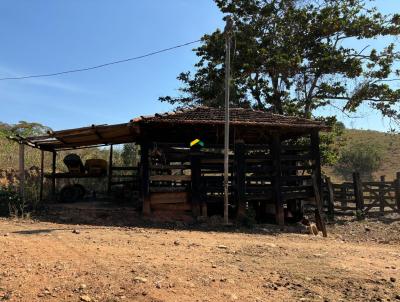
388 143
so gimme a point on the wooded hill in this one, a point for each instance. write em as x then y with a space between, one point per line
387 143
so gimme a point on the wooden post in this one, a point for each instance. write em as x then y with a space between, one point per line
331 201
316 155
397 191
228 37
240 154
145 179
358 191
382 195
41 175
343 193
195 184
22 170
276 157
110 171
53 175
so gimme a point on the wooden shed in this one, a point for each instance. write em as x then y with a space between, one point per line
272 159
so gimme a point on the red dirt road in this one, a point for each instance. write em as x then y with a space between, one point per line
48 262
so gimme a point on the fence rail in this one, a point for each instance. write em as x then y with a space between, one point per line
368 197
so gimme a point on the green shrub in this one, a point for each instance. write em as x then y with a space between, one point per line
11 204
360 157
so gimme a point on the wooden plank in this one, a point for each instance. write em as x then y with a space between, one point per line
169 167
168 189
170 197
170 178
171 207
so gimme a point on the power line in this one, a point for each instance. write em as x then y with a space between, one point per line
99 66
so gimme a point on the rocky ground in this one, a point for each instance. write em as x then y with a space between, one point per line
41 261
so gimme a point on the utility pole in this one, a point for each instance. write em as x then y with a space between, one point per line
228 34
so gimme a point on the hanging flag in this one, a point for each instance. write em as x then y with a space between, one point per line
196 142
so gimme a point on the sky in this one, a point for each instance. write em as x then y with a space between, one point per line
45 36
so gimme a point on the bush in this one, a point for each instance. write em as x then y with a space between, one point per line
11 204
361 157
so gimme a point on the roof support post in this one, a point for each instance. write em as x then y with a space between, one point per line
41 175
195 182
144 177
240 163
22 171
110 170
276 180
316 156
53 175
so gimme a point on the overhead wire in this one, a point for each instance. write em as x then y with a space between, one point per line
100 65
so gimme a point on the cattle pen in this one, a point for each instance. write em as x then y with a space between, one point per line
274 161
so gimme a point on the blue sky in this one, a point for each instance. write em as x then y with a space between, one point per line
45 36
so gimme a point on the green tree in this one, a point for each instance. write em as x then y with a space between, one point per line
360 157
293 56
23 129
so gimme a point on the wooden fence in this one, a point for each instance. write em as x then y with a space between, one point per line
367 197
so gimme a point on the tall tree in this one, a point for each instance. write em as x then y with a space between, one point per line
294 56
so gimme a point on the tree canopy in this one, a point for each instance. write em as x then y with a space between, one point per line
23 129
294 56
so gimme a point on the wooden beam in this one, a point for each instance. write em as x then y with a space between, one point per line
276 181
22 170
110 170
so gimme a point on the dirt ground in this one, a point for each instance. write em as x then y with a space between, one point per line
41 261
